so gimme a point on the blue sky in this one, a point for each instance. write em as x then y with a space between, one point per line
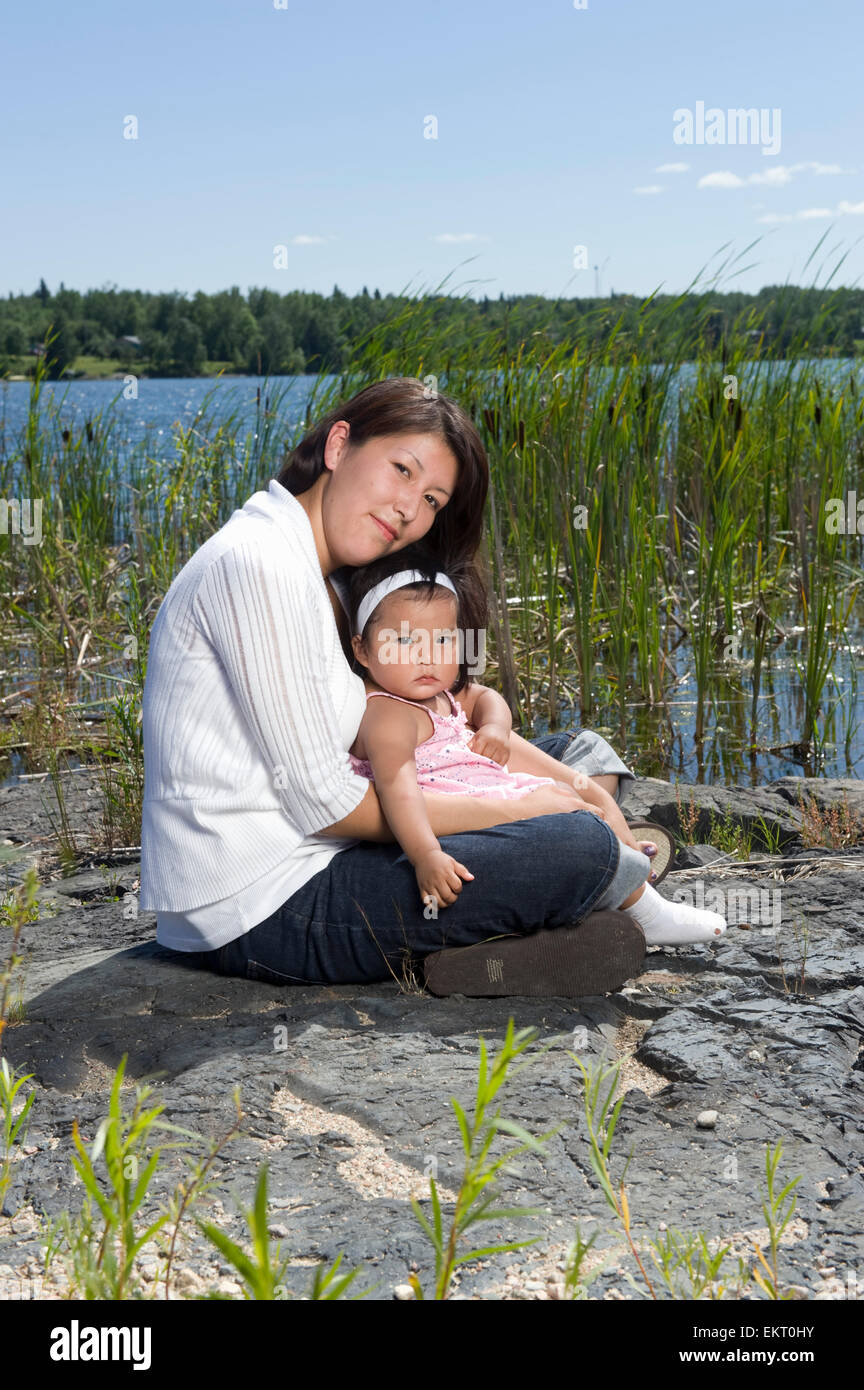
303 127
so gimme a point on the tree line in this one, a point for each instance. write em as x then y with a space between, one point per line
267 333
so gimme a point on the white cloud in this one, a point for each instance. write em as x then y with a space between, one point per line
805 215
459 236
671 168
722 179
857 209
816 168
303 240
650 188
777 176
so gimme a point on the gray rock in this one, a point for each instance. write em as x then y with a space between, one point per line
707 1119
93 884
696 856
776 803
765 1027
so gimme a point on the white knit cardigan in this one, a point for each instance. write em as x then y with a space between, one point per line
249 709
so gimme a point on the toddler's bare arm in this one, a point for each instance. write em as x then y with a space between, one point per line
390 735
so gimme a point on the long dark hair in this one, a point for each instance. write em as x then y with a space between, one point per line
400 405
471 599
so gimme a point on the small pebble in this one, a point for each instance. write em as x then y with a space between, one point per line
831 1291
706 1119
403 1292
229 1286
189 1282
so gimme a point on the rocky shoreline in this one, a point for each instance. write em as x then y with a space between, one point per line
346 1090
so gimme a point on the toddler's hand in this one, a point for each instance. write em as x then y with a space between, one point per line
492 741
439 875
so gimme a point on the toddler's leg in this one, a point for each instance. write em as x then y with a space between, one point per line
524 757
596 796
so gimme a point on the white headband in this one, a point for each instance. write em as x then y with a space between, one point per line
394 581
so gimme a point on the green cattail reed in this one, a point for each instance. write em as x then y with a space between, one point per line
646 517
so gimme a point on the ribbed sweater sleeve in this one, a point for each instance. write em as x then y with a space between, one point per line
268 638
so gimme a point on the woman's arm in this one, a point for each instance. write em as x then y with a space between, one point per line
450 815
265 626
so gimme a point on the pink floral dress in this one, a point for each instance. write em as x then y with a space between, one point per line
445 763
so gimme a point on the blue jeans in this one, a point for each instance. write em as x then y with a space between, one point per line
361 918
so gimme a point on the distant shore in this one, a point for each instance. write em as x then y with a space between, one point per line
120 374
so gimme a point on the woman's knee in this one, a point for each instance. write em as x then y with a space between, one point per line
632 871
570 849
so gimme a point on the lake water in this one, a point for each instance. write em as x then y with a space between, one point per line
146 422
147 419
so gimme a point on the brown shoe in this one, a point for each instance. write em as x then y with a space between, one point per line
598 955
665 842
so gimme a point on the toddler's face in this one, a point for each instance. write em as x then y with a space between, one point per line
412 649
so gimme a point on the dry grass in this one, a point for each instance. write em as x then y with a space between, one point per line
835 827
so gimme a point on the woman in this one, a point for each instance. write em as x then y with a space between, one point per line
263 853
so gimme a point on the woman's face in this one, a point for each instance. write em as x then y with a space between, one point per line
383 494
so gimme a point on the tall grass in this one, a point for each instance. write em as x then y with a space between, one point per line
647 520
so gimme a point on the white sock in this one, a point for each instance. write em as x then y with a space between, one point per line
673 924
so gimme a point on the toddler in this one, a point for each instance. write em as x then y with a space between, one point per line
415 736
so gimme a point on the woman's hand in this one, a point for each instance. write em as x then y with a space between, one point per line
492 741
439 876
580 803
